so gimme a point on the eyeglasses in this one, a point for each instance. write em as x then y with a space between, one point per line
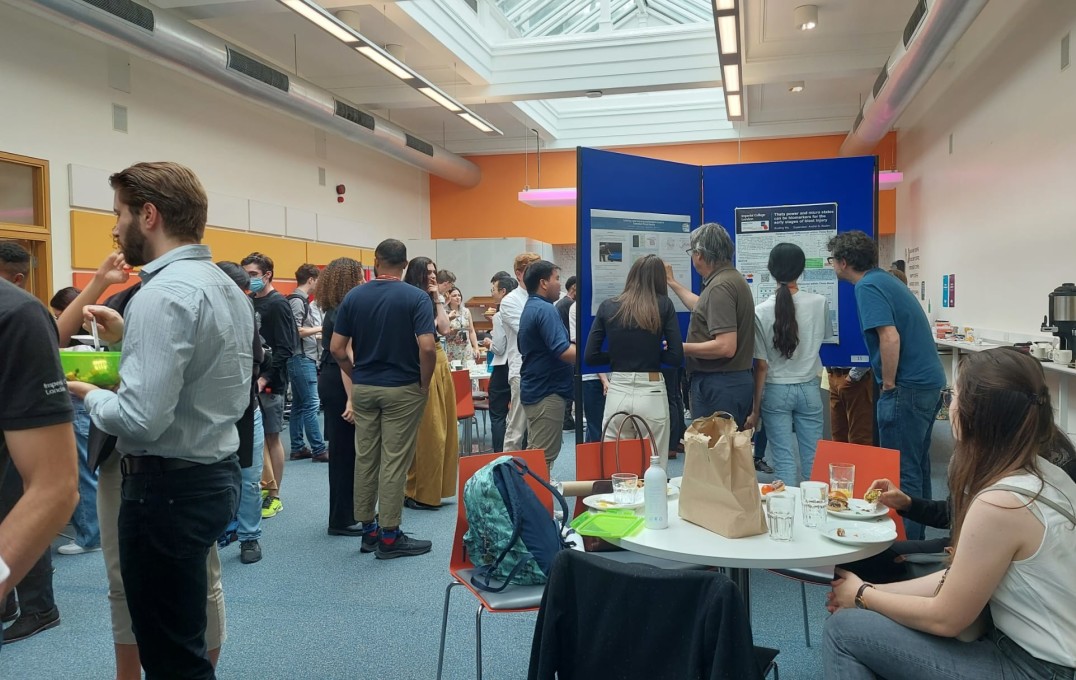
690 251
829 260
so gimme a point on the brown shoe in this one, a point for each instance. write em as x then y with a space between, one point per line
304 454
321 457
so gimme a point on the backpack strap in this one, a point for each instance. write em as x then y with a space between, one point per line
557 496
517 528
306 305
1064 512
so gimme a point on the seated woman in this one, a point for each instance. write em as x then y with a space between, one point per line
1014 540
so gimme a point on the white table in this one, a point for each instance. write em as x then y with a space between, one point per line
687 542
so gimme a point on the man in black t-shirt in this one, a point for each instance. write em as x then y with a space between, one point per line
35 433
280 332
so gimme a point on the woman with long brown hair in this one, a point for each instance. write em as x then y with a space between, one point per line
643 336
789 329
433 472
1014 543
334 390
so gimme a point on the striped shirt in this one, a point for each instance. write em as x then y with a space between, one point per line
186 366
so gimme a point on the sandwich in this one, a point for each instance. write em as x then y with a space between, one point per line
837 502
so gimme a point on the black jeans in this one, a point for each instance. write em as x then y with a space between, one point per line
341 436
168 521
35 589
500 396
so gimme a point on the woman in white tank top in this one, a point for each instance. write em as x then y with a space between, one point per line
1014 538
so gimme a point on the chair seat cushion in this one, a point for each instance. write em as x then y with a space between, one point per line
512 597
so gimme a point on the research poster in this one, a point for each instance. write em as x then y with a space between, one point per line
810 227
618 239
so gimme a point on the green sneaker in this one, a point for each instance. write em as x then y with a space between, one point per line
265 493
271 506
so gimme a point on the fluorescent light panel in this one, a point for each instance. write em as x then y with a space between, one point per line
724 5
726 33
385 62
734 106
730 78
441 99
476 122
323 22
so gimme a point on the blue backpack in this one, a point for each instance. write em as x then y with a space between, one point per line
510 537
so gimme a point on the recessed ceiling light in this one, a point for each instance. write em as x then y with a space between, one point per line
795 86
724 5
806 17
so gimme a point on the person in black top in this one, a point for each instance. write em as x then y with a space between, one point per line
280 332
563 306
334 389
35 433
643 335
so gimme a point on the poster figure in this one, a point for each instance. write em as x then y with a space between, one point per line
810 227
618 239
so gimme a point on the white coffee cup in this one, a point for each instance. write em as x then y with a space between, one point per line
1061 356
1040 351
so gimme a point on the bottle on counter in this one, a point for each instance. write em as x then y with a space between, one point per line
656 495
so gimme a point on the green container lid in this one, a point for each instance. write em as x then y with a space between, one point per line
611 524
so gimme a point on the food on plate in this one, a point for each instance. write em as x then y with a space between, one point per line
776 486
872 496
837 502
840 531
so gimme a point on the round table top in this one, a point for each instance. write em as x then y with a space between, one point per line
686 542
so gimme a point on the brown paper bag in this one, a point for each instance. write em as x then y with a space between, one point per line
719 490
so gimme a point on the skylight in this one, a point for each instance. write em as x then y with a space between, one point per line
534 18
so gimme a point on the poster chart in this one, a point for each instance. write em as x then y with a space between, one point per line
810 227
618 239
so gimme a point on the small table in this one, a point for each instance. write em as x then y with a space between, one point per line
687 542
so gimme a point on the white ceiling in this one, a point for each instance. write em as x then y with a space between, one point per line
661 83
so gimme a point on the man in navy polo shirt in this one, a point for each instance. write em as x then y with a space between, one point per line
548 360
903 357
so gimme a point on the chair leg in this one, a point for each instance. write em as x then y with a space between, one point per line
478 642
806 628
444 629
776 672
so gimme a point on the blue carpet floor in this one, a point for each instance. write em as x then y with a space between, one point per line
315 608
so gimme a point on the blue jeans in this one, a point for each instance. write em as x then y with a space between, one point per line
249 513
785 406
905 417
303 373
863 645
731 391
87 530
593 409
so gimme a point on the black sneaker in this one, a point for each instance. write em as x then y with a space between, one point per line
761 466
250 552
29 625
403 546
418 505
11 609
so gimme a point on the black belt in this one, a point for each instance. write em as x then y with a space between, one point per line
153 465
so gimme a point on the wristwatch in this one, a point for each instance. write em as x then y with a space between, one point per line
860 604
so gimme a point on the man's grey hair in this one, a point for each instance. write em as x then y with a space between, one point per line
713 243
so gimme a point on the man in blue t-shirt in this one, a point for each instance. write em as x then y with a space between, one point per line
388 326
548 360
903 357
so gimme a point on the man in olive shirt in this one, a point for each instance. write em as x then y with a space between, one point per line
720 336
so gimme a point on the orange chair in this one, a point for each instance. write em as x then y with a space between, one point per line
465 411
871 463
513 598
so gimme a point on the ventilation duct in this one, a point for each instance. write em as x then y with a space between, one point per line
174 43
930 34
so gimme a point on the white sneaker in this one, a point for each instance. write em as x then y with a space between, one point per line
73 548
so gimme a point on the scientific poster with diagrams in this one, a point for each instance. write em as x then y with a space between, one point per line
618 239
810 227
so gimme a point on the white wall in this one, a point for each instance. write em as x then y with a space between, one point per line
56 104
998 211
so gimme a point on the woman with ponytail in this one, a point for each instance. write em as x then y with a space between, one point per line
1006 606
789 329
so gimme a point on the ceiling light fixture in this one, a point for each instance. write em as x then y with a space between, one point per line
805 17
323 19
727 25
795 86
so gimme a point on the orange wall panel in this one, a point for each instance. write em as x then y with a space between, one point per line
492 209
322 254
91 238
887 212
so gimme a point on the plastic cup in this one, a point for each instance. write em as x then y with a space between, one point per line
842 477
780 516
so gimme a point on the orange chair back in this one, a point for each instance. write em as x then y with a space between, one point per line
461 381
872 462
469 465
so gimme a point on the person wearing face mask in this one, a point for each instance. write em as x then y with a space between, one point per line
280 332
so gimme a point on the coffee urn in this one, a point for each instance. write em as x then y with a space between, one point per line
1062 318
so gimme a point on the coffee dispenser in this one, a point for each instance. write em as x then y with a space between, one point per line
1061 320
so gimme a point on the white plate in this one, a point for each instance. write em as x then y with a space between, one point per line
860 509
604 501
858 533
775 493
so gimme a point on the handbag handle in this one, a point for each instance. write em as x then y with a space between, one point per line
634 420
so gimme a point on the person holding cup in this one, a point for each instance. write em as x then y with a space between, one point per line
461 342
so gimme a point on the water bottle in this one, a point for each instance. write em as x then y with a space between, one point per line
656 496
489 361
